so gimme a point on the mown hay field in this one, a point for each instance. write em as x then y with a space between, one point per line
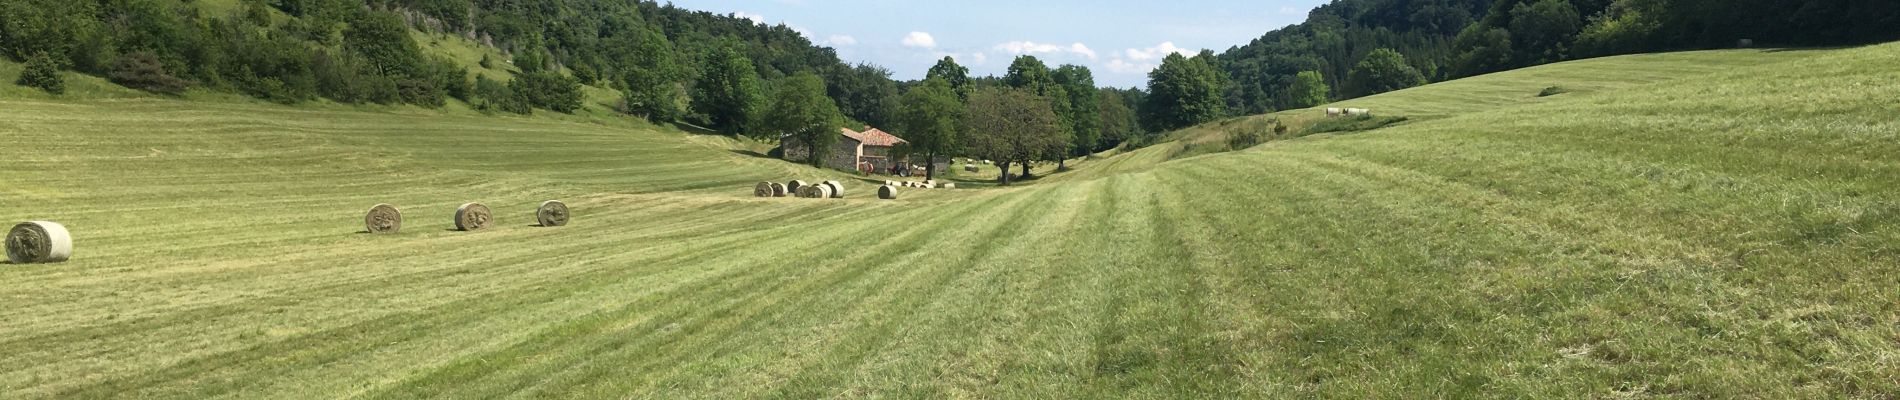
1715 232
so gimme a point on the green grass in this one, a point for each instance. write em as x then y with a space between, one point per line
1703 225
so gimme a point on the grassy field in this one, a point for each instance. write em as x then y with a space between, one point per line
1713 225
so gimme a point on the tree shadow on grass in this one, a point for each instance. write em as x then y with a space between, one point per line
745 152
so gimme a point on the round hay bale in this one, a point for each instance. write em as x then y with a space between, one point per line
39 242
949 186
794 185
778 189
837 189
552 213
472 216
808 191
383 218
820 191
887 192
763 189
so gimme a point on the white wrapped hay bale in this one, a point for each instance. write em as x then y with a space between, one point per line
763 189
949 186
794 185
887 192
836 189
383 218
1333 112
39 242
821 191
551 213
472 216
778 189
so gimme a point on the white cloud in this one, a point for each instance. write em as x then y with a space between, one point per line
978 58
1085 51
1027 47
1121 66
756 18
920 39
1157 52
841 40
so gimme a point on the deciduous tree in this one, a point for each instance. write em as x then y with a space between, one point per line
803 114
932 118
1382 70
1010 126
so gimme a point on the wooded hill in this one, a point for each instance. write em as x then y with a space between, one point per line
1446 39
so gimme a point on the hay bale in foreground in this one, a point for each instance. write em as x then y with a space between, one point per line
472 216
39 242
778 189
383 218
837 189
949 186
794 185
763 189
551 213
887 192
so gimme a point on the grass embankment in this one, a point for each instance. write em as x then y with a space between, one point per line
1726 232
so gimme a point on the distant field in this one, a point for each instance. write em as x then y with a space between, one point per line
1713 224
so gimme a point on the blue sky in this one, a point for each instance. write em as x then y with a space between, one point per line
1120 40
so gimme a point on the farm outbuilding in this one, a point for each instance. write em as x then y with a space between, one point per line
871 151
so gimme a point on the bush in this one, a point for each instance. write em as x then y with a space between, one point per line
143 71
549 90
42 71
1552 91
1356 123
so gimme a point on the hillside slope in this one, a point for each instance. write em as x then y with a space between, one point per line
1726 234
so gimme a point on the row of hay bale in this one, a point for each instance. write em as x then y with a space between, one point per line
798 188
35 242
1334 112
385 218
925 184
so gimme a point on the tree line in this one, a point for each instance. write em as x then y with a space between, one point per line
737 76
1353 48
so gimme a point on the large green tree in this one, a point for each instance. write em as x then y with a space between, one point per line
1118 120
804 115
1183 92
1382 70
955 74
1029 72
865 93
654 87
1308 89
1084 108
1544 30
728 93
932 120
1010 126
1481 51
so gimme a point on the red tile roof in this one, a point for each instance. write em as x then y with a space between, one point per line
873 137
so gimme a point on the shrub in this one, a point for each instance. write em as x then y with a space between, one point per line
1552 91
143 71
1356 123
42 71
549 90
